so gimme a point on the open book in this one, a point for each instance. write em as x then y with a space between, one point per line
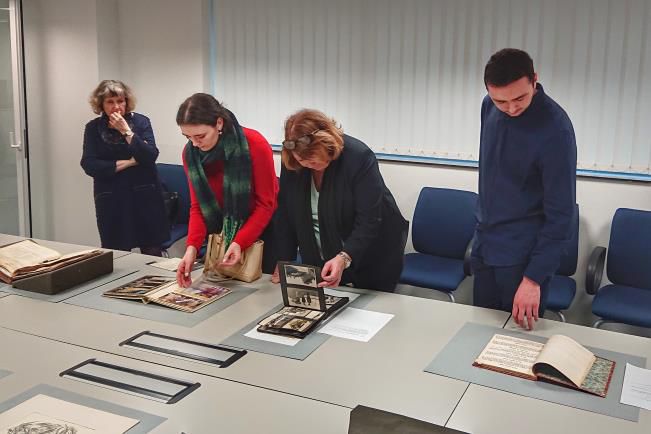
561 360
304 303
165 291
28 258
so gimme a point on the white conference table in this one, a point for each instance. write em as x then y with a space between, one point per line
216 406
385 373
476 413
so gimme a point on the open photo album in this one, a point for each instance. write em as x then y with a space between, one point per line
165 291
305 304
561 361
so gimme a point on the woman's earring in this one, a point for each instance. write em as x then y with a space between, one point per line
219 132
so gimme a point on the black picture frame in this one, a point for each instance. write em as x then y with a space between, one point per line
188 387
236 353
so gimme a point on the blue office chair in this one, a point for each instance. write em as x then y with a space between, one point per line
628 299
443 226
562 287
173 178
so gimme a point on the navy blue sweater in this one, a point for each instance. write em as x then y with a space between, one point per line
527 186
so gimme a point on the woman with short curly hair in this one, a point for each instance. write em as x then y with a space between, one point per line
120 155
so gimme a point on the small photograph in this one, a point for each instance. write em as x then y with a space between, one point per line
303 275
142 285
295 311
331 300
279 321
301 297
181 301
270 318
205 291
298 324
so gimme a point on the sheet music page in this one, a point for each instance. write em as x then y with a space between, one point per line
24 254
511 354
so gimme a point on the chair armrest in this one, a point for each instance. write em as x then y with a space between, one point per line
467 269
595 270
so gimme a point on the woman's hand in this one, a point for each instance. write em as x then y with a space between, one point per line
185 267
120 165
332 271
233 254
116 121
275 277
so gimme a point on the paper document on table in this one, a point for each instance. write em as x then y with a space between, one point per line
356 324
277 339
636 389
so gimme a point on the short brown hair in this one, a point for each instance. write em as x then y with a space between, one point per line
326 144
110 88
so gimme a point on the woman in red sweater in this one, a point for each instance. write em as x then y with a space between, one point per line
232 180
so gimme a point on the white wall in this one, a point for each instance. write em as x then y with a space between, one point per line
161 54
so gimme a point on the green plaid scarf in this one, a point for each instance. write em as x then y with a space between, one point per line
233 149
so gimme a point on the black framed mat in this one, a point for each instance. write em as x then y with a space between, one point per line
186 349
147 422
456 358
94 299
131 381
302 347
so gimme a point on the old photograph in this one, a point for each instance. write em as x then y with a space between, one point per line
301 297
181 301
302 275
140 286
205 291
298 324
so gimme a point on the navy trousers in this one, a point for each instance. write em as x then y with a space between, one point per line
495 287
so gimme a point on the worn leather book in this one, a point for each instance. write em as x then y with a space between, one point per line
561 360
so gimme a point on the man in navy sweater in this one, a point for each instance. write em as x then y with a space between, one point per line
527 189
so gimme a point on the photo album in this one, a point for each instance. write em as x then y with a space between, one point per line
305 304
165 291
561 361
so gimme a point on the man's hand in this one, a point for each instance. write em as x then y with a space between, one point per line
526 303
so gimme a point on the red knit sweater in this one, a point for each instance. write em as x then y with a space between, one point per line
264 189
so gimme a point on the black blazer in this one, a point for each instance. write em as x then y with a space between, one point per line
357 214
128 204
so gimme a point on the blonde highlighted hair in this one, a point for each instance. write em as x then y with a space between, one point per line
108 89
326 143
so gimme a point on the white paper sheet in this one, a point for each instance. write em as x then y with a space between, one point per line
636 390
278 339
356 324
43 409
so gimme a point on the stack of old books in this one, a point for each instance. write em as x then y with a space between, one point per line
28 258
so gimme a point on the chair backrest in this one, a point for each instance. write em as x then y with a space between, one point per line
444 222
173 178
570 256
629 249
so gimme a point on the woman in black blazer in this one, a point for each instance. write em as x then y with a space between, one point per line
120 155
334 207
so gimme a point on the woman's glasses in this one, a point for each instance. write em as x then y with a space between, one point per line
303 141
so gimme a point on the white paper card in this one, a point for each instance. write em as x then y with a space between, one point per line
58 414
356 324
636 390
278 339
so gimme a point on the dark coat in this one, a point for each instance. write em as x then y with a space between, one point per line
128 204
357 214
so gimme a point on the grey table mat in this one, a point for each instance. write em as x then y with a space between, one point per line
4 373
3 294
118 272
456 358
93 299
147 421
302 349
